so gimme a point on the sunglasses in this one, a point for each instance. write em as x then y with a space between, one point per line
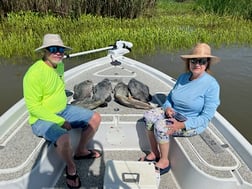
55 49
200 61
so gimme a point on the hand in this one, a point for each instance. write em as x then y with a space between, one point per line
169 112
66 125
174 126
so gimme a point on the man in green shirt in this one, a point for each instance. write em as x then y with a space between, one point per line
49 114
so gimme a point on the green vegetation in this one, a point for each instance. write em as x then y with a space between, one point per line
76 8
241 8
168 27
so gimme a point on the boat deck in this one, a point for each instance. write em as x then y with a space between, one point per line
208 157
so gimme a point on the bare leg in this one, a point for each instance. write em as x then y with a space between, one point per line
153 144
88 134
154 147
65 151
164 151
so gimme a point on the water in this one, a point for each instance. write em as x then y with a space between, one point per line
233 74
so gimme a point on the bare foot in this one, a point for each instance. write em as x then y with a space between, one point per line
90 155
150 157
163 163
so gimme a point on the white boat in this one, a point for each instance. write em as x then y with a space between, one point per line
219 158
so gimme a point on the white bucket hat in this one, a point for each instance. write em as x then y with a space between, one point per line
52 40
201 50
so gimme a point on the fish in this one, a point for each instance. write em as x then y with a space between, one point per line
122 96
139 90
91 97
83 90
83 95
103 90
89 103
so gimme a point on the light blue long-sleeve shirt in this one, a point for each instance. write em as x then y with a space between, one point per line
197 100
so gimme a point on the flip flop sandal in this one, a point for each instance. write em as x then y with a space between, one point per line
164 170
91 155
148 160
73 178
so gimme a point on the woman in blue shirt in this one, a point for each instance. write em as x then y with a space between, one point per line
188 108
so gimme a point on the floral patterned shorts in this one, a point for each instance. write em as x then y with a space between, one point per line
157 121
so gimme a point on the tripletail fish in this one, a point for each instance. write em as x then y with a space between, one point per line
122 95
90 103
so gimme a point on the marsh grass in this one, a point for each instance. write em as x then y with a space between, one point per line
239 8
21 33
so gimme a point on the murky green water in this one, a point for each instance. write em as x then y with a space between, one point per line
233 73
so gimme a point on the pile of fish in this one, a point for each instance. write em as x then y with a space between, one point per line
135 94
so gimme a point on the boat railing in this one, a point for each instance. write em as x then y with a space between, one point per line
238 142
9 121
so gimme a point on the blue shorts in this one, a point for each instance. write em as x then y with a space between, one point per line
78 117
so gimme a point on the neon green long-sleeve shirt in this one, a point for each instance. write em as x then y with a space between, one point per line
44 92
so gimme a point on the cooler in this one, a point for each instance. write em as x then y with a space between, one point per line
130 175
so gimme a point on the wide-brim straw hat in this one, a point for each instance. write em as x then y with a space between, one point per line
52 40
201 50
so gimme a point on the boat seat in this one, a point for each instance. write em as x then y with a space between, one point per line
20 150
206 157
210 152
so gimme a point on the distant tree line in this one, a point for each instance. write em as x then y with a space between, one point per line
75 8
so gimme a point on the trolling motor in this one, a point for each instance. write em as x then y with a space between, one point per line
120 48
123 44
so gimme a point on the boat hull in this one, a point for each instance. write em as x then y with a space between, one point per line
122 132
